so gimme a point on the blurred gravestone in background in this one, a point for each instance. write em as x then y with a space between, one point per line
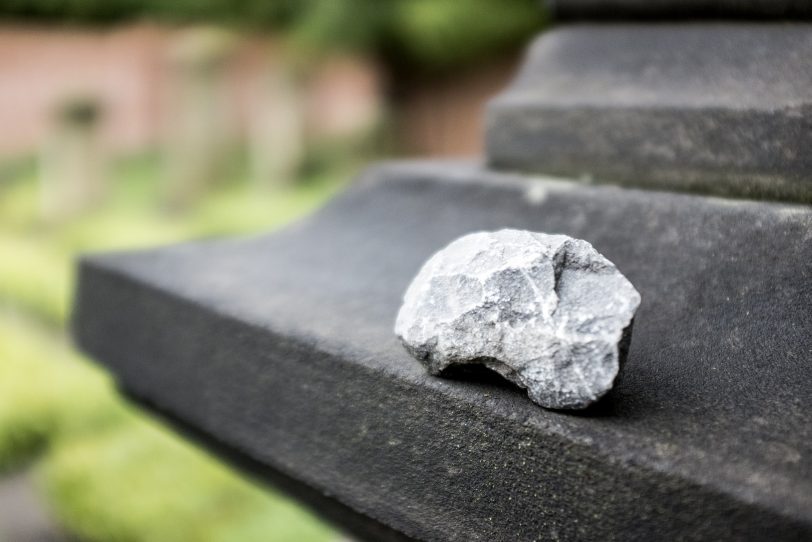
73 160
345 110
276 128
199 133
438 61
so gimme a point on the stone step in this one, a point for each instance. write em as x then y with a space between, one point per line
723 109
280 349
680 9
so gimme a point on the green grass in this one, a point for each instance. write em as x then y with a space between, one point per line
34 277
110 473
138 482
46 392
36 259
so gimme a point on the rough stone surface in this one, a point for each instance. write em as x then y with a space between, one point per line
280 347
680 9
547 312
722 109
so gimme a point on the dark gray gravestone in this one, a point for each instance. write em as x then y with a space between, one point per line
680 9
716 108
280 349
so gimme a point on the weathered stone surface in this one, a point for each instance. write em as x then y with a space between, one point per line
680 9
280 348
723 109
547 312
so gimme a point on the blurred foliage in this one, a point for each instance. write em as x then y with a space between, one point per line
173 492
45 391
423 33
33 277
36 261
443 33
112 475
109 473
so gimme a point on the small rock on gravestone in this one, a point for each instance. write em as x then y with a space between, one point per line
547 312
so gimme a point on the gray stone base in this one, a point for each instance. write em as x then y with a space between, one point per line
281 348
720 109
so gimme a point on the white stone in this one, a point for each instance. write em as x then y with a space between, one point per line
548 312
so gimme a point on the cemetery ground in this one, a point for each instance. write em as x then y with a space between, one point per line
106 471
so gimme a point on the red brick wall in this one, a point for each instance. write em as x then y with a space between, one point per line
126 69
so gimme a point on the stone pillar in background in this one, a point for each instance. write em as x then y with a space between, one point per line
276 127
325 114
72 160
199 136
345 111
